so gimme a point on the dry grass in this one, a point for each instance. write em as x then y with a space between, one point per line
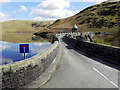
20 31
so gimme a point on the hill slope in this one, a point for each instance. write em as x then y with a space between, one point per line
101 15
21 30
22 26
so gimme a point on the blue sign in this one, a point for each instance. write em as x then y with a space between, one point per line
24 48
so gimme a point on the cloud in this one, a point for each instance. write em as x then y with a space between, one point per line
53 9
54 4
4 1
97 1
56 13
38 44
3 16
23 8
5 61
38 19
4 46
51 0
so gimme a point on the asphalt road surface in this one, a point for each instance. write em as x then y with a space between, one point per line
79 71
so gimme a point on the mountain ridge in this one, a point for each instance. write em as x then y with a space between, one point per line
96 16
112 0
103 18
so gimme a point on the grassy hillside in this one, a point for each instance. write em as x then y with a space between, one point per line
102 17
21 26
16 26
97 16
21 31
42 23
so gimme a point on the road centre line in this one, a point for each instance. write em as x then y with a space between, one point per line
106 78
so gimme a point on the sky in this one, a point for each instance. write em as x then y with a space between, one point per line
42 10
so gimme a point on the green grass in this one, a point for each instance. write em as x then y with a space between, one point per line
102 40
110 40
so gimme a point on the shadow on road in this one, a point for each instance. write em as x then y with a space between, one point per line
69 47
77 49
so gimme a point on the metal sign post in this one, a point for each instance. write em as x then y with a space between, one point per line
24 48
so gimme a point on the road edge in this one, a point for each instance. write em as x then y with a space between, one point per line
47 75
57 66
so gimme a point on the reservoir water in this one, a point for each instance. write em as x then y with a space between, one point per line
9 52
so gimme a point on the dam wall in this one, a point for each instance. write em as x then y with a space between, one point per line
18 74
108 53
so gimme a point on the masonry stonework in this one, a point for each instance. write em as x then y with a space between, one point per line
20 73
109 53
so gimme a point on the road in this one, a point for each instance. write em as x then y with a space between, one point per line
79 71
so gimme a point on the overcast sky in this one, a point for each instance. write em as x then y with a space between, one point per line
42 9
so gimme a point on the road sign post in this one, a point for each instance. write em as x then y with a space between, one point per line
24 48
24 51
24 56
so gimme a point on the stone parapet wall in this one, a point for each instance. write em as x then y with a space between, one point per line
18 74
109 53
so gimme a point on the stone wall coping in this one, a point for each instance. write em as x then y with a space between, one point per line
103 45
30 61
93 42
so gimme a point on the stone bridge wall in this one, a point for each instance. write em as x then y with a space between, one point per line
109 53
20 73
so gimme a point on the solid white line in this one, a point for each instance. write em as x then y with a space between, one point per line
106 78
110 68
107 67
54 60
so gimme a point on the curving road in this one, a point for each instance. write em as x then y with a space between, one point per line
79 71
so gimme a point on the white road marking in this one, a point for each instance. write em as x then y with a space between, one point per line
96 69
106 78
54 60
108 67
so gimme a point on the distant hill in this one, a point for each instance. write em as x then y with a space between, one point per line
42 23
16 26
19 31
103 17
112 0
97 16
22 26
